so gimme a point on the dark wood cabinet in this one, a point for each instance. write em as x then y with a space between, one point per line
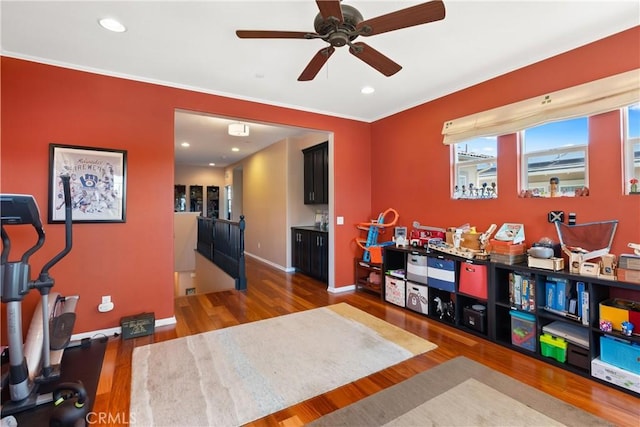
310 252
316 174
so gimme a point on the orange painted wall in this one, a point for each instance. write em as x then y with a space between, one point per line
412 167
133 261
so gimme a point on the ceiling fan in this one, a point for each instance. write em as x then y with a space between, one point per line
340 25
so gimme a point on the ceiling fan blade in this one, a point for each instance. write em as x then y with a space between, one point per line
329 8
316 63
260 34
374 58
403 18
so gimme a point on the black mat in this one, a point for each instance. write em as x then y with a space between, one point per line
84 364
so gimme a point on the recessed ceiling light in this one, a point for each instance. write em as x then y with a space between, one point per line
185 144
212 164
235 149
112 25
367 90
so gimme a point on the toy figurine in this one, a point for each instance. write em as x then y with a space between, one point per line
627 328
606 326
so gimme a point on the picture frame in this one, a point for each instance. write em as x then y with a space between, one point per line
98 183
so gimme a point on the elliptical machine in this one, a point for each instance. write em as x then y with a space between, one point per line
52 324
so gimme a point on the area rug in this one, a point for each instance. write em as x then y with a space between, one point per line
235 375
459 392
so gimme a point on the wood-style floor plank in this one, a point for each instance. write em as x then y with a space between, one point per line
273 293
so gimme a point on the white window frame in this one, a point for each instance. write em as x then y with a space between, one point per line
558 151
462 178
628 152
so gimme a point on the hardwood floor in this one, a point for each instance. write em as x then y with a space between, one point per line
273 293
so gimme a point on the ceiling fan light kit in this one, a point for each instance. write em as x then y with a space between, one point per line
238 129
339 25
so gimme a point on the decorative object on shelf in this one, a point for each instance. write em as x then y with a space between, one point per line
587 241
553 186
634 186
627 328
606 326
98 183
372 248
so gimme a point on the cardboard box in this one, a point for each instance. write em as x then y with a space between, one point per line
471 241
555 264
615 375
626 275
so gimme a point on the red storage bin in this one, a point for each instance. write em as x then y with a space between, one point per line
473 279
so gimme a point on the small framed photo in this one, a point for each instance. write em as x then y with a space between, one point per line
98 183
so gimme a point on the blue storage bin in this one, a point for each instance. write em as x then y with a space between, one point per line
441 274
523 330
620 353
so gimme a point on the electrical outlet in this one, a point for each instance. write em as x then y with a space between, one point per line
106 304
258 245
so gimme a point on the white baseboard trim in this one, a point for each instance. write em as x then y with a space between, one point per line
109 332
272 264
341 289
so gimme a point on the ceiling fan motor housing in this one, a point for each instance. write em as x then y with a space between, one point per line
339 33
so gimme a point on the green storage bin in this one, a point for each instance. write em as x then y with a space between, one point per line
553 347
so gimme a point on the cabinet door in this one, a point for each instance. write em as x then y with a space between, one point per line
319 255
320 176
300 253
308 177
316 174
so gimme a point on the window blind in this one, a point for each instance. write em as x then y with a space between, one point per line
587 99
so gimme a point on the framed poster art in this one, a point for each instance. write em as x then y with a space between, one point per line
98 183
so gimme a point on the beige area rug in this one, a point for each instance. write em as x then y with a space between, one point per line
459 392
235 375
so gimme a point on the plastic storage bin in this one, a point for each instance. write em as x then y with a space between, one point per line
553 347
523 330
620 353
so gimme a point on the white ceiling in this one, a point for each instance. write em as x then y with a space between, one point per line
192 45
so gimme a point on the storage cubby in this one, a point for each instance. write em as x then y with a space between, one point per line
516 296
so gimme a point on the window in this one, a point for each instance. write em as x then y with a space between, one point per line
554 159
475 168
631 117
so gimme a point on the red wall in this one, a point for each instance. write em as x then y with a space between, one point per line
397 162
412 167
133 261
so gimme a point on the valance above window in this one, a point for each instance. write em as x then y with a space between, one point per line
587 99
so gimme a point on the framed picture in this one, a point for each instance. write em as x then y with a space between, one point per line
98 183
